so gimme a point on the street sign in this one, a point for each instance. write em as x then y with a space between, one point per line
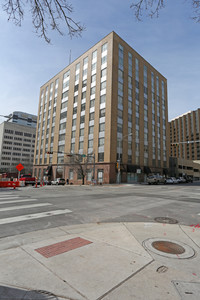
19 167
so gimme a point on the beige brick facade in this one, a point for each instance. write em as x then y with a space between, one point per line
184 136
119 102
185 144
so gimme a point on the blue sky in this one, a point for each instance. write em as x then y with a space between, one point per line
170 43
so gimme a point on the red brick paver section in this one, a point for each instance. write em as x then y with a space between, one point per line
62 247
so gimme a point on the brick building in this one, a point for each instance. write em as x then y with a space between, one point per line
185 143
108 106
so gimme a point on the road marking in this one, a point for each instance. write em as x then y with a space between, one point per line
17 201
24 206
5 194
5 198
34 216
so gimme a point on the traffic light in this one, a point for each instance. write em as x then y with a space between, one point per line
175 144
49 152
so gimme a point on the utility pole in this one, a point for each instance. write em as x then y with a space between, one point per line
94 168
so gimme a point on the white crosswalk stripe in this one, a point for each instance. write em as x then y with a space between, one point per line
6 198
13 198
6 193
34 216
24 206
17 201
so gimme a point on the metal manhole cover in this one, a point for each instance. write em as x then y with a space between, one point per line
169 248
166 220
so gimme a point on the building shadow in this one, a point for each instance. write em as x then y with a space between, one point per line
12 293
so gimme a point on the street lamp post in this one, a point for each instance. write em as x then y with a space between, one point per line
119 158
8 117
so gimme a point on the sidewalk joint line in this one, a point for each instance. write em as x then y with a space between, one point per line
54 273
122 282
188 235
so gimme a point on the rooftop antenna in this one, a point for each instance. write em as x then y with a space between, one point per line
70 57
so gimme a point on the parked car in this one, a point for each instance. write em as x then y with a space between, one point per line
155 179
188 179
169 181
58 181
181 180
174 180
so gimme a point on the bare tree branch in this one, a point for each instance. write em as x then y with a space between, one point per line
45 14
196 7
151 7
81 165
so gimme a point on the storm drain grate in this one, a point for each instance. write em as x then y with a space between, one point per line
62 247
166 220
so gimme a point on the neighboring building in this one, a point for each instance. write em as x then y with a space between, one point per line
180 167
22 118
17 144
185 138
109 102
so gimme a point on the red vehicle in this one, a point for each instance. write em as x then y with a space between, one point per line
28 179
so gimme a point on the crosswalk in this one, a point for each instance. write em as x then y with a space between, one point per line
10 203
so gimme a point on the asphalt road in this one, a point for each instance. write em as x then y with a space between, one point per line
29 209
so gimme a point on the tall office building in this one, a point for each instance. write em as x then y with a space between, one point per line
185 136
17 144
23 118
109 103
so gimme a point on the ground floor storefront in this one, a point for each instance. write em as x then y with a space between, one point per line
98 173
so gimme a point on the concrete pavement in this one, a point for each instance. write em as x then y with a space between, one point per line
107 261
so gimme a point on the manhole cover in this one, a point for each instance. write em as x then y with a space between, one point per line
166 220
168 247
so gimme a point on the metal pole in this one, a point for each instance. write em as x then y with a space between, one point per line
182 166
119 164
94 168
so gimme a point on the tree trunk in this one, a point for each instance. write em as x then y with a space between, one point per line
83 179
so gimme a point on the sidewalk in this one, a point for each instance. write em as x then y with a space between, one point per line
110 261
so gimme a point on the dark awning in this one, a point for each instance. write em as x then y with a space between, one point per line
48 171
132 168
147 170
